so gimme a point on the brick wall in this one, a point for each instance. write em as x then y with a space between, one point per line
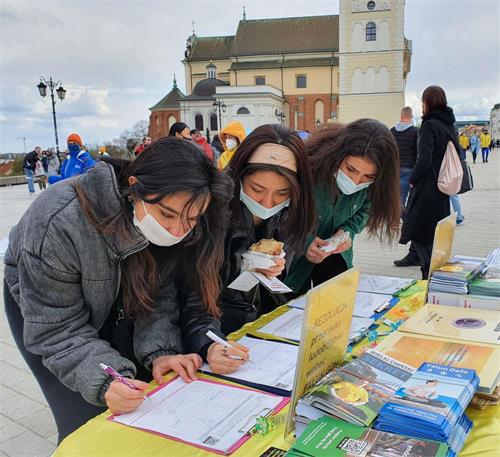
158 123
305 106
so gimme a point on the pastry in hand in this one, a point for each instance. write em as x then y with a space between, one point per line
268 246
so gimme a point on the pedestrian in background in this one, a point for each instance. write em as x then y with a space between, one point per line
406 136
29 166
427 205
202 142
78 162
475 146
180 130
40 174
464 142
231 137
53 163
485 139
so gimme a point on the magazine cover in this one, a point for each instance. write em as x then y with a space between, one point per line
349 397
480 325
380 369
327 437
415 350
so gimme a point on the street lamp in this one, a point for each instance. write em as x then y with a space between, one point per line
280 115
61 93
218 106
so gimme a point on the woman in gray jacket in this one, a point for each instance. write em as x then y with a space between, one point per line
97 268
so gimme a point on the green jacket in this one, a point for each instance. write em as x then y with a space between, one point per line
348 212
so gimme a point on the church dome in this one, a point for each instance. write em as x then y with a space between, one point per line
206 87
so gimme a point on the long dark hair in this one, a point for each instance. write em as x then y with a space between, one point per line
301 211
434 97
372 140
165 167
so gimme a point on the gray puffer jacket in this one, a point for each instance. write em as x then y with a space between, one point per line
65 277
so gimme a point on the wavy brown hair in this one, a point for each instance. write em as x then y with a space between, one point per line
166 167
301 215
372 140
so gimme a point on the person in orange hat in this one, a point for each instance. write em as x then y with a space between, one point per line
78 162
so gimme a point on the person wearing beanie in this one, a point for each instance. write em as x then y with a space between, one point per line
78 162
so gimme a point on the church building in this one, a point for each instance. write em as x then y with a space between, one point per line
301 71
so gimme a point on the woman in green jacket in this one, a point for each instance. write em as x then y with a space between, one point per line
356 174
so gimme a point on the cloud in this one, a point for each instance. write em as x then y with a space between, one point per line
117 58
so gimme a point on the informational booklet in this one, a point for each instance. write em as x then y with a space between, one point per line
328 437
288 325
357 391
221 425
272 365
479 325
367 303
416 349
430 404
387 285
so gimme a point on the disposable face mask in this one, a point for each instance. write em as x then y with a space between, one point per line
231 144
155 232
346 184
261 211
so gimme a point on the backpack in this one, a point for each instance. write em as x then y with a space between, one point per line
451 173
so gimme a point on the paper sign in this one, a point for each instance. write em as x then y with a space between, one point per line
325 334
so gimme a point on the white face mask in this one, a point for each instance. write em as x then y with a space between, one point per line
155 232
346 184
231 144
261 211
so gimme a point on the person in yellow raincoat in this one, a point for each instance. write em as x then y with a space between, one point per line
230 136
464 141
485 139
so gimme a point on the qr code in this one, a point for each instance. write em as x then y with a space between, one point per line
352 446
211 440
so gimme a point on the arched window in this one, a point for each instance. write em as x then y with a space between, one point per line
198 122
371 31
357 81
319 112
171 121
370 80
243 110
213 122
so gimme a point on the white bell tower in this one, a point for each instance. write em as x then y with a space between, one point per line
374 59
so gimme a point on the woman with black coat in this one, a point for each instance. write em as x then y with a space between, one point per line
427 205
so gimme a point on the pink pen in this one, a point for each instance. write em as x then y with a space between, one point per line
115 375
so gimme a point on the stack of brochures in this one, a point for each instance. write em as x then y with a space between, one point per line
355 392
431 405
487 283
327 437
454 277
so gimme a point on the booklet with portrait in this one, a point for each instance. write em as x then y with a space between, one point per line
357 391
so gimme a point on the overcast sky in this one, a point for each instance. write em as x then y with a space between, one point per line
116 58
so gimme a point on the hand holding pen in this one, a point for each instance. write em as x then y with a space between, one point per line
224 357
123 395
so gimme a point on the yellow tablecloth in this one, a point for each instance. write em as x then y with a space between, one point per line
102 438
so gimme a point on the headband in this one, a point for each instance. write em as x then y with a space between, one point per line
274 154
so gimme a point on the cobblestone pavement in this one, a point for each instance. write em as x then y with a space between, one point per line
26 425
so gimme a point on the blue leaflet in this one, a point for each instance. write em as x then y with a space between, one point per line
431 405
